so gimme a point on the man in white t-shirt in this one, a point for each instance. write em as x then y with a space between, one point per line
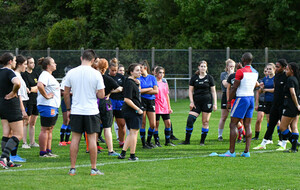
87 85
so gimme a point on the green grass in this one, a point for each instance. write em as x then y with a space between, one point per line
180 167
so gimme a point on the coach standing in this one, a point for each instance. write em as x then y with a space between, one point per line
243 86
87 85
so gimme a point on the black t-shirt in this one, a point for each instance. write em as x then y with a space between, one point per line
202 86
120 79
279 82
31 80
291 82
6 85
110 84
230 80
132 92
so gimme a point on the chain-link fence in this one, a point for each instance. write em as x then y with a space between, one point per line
178 63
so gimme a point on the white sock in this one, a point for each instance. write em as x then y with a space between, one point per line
116 127
264 142
220 132
283 144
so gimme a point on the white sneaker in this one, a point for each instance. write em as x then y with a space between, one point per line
279 143
25 146
34 145
269 142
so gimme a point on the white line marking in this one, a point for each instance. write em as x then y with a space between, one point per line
120 162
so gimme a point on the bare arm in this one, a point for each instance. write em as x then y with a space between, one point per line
42 90
146 90
67 98
117 90
34 89
191 91
225 83
132 105
154 90
16 87
214 95
271 90
232 92
294 98
227 91
24 114
101 93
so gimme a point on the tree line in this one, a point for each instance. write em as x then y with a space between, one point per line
142 24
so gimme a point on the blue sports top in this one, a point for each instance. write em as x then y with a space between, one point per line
148 82
269 84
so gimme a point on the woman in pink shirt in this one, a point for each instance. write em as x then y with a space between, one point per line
162 104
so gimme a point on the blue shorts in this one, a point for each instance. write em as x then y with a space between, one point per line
243 107
47 111
117 104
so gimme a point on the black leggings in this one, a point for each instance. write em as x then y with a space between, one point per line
275 116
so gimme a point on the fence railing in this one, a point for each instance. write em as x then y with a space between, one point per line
178 63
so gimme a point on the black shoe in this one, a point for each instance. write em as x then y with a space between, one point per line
151 145
239 141
184 143
170 144
244 139
87 151
254 138
99 151
158 144
121 157
220 138
101 139
133 159
10 164
291 151
146 147
174 138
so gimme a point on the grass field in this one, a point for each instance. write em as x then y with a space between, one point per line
180 167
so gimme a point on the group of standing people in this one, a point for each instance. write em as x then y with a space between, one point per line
92 97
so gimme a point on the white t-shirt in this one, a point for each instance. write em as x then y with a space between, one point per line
84 82
23 89
51 86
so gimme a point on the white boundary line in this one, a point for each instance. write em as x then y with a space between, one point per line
122 162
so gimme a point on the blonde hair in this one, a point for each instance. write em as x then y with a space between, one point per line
227 63
114 62
272 65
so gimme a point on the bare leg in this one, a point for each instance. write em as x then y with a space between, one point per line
233 133
74 148
43 138
92 138
247 125
108 139
32 122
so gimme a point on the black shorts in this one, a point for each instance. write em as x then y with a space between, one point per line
224 101
106 113
203 104
164 116
118 114
268 106
31 109
149 105
85 123
10 110
133 120
48 121
289 108
261 106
